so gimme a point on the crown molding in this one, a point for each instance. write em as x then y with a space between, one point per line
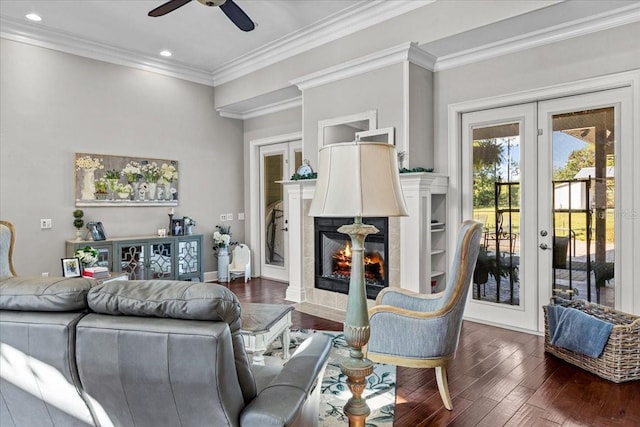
360 16
394 55
275 107
57 40
549 35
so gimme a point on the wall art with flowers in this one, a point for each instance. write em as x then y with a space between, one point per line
104 180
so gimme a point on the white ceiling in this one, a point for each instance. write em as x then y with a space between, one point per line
202 39
209 49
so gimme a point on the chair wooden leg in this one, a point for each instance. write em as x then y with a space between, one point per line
443 386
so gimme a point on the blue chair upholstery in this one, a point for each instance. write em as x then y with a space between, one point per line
422 330
7 240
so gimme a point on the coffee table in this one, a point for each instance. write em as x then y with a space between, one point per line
262 324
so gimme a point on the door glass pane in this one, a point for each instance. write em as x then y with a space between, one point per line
583 205
496 203
273 208
297 161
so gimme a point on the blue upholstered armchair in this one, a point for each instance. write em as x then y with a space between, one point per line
7 240
422 330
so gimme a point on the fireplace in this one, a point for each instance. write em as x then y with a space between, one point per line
333 255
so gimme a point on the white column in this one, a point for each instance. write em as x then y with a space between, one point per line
296 192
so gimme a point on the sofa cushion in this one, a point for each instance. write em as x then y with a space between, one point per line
37 293
167 298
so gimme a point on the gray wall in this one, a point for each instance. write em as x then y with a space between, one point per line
55 104
597 54
379 90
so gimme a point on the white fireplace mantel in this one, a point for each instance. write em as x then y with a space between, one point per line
410 254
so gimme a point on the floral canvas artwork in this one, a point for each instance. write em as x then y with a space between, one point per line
104 180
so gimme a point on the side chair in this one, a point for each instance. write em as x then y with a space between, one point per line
240 263
7 241
422 330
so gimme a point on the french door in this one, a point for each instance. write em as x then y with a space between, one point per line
278 162
586 152
541 177
499 175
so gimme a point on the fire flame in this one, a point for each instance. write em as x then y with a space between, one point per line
343 262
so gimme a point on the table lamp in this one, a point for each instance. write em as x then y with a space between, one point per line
357 179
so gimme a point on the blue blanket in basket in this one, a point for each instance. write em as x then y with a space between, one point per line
577 331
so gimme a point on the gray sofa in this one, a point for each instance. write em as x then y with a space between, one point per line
142 353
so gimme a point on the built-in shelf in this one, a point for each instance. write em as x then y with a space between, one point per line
424 244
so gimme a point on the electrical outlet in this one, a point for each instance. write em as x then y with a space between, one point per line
241 216
45 274
223 217
229 217
45 223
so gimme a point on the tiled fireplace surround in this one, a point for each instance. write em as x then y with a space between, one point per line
409 240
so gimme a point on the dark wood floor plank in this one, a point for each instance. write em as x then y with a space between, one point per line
507 408
529 415
498 378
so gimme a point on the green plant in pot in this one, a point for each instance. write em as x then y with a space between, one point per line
102 189
78 222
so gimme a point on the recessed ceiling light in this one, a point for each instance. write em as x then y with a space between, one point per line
33 17
165 53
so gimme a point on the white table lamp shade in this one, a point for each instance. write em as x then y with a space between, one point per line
358 179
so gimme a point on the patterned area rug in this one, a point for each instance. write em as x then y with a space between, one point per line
381 385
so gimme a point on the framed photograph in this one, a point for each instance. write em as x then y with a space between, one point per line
96 230
177 227
71 267
101 232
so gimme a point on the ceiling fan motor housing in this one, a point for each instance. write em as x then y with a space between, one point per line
212 2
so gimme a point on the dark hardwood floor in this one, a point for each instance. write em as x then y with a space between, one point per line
499 378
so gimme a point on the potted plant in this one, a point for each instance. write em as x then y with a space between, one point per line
78 222
87 256
123 191
221 243
112 176
101 189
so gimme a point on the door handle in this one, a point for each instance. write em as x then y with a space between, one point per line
285 229
544 246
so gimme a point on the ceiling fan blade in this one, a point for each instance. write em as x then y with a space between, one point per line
237 16
169 6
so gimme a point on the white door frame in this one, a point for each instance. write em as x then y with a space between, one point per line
254 194
630 218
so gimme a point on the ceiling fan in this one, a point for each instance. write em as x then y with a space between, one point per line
232 10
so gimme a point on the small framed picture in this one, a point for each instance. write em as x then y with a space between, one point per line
71 267
96 229
100 227
177 227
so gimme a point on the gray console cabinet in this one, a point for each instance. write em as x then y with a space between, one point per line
149 257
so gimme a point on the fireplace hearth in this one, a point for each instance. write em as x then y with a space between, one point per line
333 256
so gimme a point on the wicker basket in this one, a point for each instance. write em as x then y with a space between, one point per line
620 359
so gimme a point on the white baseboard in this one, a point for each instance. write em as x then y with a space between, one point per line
210 276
